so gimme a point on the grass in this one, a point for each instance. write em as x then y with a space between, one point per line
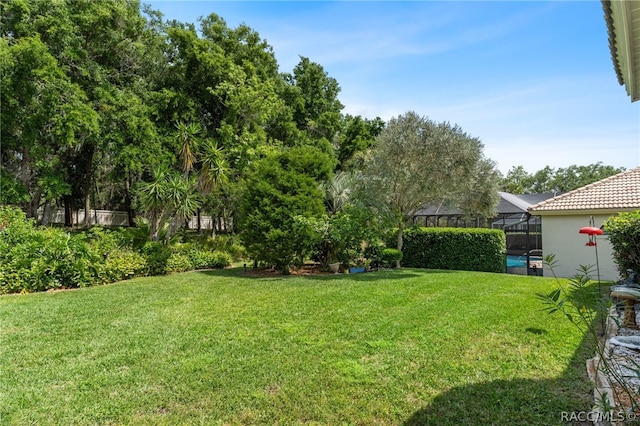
397 347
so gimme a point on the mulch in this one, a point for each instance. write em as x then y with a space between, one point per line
306 269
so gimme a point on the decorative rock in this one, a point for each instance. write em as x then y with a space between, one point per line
624 292
631 342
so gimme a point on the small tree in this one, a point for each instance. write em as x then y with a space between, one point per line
169 196
416 161
281 190
347 232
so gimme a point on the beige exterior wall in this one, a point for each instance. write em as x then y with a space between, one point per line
560 236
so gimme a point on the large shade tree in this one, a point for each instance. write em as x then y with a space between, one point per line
65 65
416 161
97 94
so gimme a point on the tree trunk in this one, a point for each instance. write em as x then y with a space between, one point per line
400 241
34 203
46 213
87 157
87 210
68 211
154 226
214 225
131 217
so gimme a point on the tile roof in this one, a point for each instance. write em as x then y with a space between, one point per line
619 192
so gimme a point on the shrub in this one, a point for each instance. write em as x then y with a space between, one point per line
107 240
278 189
81 266
178 262
624 235
226 243
465 249
156 257
36 259
123 263
389 257
211 259
189 256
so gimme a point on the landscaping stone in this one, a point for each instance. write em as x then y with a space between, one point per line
624 292
622 353
631 342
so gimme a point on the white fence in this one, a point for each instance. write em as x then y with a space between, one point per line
120 218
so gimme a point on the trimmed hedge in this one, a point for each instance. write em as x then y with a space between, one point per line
463 249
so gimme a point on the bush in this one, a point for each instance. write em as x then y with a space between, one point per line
279 189
36 259
189 256
464 249
107 240
178 262
389 257
80 268
226 243
211 259
123 263
156 257
624 235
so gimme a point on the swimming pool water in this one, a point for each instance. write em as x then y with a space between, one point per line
520 261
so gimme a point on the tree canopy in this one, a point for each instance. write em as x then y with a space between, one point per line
97 96
548 179
416 161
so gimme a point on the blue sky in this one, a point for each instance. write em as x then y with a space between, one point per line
534 81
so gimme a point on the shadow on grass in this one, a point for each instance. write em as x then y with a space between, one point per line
249 273
517 401
368 276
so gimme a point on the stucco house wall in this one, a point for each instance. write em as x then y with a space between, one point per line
560 237
564 215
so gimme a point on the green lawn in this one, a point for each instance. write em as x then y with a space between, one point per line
398 347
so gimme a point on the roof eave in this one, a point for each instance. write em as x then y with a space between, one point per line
623 43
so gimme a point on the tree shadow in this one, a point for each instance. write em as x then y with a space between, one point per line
367 276
250 273
563 400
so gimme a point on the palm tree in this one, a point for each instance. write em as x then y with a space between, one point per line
183 199
152 196
338 191
214 171
188 145
215 168
168 196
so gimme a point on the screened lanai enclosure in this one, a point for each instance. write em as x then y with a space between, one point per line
522 230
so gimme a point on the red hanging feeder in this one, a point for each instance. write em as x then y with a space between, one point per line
591 231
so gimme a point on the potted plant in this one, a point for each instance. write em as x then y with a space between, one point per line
361 264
